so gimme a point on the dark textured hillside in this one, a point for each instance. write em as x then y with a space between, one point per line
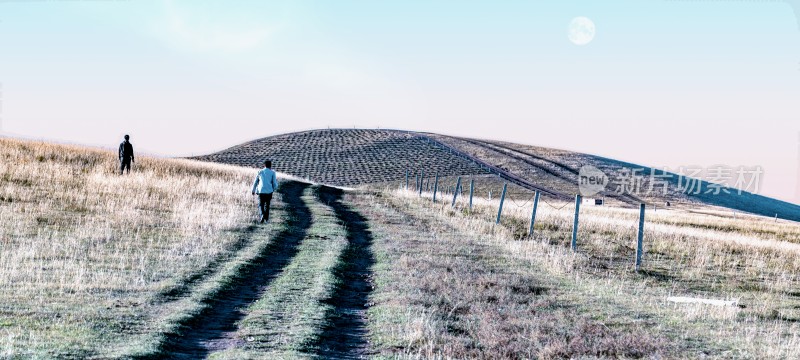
359 157
347 156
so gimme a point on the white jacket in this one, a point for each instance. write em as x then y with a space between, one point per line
266 182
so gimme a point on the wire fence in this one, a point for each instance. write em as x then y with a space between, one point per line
449 191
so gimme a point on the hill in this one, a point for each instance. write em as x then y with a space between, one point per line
169 262
347 157
353 157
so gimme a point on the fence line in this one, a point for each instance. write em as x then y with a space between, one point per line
455 190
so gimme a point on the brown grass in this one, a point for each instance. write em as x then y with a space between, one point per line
87 256
444 291
752 259
83 251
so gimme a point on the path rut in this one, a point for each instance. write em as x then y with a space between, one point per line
346 336
213 329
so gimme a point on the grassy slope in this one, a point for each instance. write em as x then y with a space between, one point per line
444 290
435 262
138 315
88 273
704 193
87 258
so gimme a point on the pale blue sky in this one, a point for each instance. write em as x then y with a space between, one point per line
664 83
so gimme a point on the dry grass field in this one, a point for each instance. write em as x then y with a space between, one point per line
87 256
752 260
169 263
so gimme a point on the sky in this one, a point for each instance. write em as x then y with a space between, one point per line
662 83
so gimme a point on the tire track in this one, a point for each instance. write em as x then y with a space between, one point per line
624 198
346 335
507 152
519 155
212 329
556 164
492 169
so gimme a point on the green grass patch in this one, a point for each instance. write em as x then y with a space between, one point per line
291 314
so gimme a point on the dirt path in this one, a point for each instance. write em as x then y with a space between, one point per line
212 329
346 335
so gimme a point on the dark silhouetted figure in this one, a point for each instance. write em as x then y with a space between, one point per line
125 155
265 184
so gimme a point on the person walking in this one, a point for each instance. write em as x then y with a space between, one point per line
125 155
264 185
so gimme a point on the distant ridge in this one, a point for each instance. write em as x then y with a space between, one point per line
352 157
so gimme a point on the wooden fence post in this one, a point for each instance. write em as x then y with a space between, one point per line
575 223
533 213
471 191
406 179
502 199
435 187
455 193
639 238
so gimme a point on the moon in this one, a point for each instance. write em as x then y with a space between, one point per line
581 30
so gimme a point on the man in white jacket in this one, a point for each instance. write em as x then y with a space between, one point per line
265 184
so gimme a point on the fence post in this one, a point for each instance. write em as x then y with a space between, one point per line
575 223
502 198
421 180
471 191
455 193
533 213
406 179
435 187
640 237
